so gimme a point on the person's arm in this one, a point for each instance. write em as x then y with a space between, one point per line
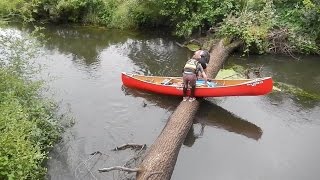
205 77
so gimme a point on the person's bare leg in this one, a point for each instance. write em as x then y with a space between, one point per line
185 87
192 98
193 88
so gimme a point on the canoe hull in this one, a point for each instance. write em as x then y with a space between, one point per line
254 87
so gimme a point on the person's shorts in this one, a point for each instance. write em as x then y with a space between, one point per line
189 79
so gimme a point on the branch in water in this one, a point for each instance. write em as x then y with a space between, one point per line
132 146
119 168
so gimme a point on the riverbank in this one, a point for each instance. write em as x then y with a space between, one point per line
263 26
29 124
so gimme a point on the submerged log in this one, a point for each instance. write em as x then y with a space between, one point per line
159 162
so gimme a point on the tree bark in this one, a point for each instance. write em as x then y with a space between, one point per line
159 162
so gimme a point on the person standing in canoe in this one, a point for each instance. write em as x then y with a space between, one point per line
190 73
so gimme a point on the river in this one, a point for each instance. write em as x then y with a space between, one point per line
262 137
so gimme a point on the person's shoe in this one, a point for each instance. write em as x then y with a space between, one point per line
185 98
192 99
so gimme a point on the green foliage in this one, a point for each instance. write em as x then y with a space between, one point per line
20 156
121 17
251 25
263 25
9 7
76 10
127 14
228 74
302 19
112 13
193 47
188 16
28 125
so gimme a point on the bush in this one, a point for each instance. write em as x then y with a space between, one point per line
28 124
302 19
251 25
281 27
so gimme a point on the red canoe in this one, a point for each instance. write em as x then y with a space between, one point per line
216 88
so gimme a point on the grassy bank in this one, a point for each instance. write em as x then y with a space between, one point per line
28 124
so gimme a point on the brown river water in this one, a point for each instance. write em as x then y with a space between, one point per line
234 138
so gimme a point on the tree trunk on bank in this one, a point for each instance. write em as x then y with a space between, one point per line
159 162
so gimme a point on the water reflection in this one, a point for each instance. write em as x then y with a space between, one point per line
209 114
302 73
162 101
278 98
154 55
84 44
157 56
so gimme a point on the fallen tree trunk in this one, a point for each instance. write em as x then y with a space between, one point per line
161 157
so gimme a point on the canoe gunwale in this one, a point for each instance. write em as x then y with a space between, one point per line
252 87
248 81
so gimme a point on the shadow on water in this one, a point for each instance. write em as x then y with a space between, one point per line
213 115
209 114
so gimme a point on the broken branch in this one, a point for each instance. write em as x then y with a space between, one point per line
132 146
119 168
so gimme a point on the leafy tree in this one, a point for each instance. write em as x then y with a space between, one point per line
189 15
251 24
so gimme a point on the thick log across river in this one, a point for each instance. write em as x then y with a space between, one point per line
161 158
